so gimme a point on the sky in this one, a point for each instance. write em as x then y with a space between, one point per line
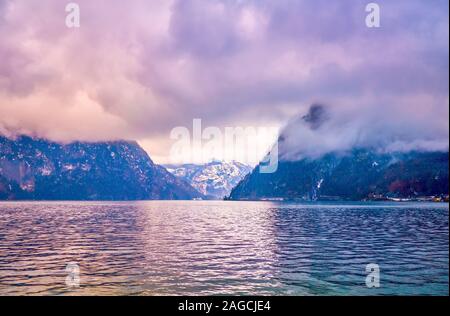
138 69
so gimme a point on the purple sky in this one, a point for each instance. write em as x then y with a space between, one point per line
136 69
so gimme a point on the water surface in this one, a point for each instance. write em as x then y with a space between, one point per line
238 248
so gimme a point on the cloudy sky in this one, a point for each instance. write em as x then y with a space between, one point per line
136 69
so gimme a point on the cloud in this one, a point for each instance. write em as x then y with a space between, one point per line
139 68
324 129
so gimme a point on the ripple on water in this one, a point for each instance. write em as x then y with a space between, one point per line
182 248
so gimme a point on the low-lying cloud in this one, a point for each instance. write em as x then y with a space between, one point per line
325 129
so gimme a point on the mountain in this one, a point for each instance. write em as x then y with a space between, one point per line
215 179
354 174
36 169
360 174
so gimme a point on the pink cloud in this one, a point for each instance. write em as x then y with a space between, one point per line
137 69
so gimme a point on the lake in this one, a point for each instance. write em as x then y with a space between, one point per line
209 248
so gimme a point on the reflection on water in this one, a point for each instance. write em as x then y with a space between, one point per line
182 248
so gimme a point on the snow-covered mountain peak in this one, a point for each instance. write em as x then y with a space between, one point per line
215 179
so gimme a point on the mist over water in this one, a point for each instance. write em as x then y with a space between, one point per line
182 248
